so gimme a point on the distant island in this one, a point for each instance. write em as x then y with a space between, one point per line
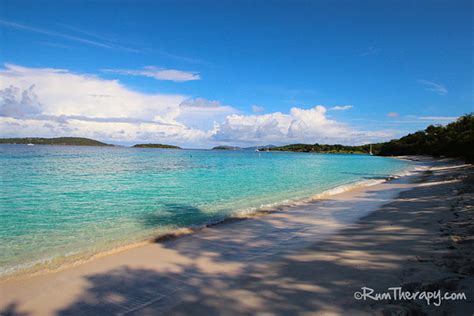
226 148
61 141
260 148
254 148
156 146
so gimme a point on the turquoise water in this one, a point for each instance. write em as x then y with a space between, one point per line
58 201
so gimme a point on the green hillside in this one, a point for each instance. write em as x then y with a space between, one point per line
320 148
156 146
62 141
453 140
226 148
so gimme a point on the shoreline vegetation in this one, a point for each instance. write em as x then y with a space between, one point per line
453 140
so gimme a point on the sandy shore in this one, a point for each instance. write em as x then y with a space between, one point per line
415 232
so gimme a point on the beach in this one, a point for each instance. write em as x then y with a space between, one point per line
414 232
67 204
236 158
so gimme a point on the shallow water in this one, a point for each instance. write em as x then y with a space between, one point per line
65 201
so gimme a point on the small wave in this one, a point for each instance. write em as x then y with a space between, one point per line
271 207
72 259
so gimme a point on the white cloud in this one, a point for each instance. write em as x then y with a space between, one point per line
109 131
300 125
159 73
56 102
64 93
434 87
257 108
18 104
341 107
203 114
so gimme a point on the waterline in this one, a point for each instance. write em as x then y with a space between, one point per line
68 204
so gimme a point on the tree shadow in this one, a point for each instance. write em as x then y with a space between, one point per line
279 267
368 176
176 214
12 310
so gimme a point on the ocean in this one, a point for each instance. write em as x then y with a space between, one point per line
60 204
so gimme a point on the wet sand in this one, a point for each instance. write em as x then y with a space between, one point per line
414 232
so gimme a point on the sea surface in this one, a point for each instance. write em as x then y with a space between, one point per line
65 203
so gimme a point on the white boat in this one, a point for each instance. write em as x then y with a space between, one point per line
30 144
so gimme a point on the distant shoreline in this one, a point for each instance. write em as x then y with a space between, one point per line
453 140
58 141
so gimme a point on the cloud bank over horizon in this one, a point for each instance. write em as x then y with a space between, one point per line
47 102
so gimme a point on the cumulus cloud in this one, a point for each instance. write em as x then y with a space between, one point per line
203 114
341 107
48 102
300 125
159 73
56 102
18 103
434 87
64 93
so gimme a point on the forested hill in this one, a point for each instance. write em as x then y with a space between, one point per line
64 141
156 146
226 148
453 140
321 148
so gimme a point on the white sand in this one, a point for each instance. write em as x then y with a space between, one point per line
240 267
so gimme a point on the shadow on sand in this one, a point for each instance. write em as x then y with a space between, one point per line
321 277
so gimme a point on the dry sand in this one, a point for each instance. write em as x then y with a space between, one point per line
415 232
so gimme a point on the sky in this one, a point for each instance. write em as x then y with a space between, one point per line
205 73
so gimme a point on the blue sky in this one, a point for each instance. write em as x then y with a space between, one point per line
390 67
